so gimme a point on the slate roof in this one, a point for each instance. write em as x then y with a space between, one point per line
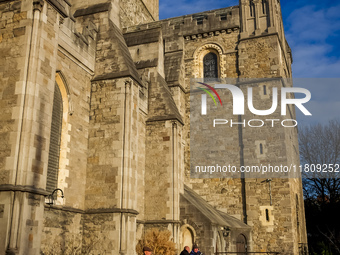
213 215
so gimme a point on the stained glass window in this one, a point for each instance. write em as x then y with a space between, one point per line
210 66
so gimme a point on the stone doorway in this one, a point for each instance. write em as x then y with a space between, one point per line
241 244
188 238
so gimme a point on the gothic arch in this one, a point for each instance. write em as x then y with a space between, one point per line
188 236
63 172
63 86
241 243
219 242
203 51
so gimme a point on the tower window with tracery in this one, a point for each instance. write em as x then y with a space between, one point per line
210 65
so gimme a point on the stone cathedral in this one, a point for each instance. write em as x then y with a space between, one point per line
95 132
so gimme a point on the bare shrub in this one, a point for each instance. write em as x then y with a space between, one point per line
159 241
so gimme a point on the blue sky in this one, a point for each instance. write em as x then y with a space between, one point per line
312 29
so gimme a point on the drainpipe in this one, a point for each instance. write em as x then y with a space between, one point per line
243 180
126 103
174 127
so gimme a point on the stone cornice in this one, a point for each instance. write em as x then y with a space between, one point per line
93 9
59 7
92 211
23 188
159 221
211 33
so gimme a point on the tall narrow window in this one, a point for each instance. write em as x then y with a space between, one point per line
54 151
210 65
264 6
267 214
264 90
297 212
252 8
261 148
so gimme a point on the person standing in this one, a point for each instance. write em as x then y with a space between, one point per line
147 250
186 251
195 250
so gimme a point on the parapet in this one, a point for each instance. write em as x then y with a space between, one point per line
204 22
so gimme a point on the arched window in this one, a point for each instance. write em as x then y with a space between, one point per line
210 64
187 237
55 137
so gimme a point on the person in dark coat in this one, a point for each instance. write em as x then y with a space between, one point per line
186 251
195 250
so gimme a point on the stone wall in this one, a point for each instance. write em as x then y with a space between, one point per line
125 142
62 231
135 12
13 48
249 57
72 177
30 52
163 158
153 8
40 46
162 171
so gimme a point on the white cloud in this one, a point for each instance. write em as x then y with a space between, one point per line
309 32
311 24
322 112
324 104
312 60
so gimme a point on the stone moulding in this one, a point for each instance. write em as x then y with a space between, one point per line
92 211
147 63
42 192
201 52
93 9
23 188
150 222
211 33
113 76
59 7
